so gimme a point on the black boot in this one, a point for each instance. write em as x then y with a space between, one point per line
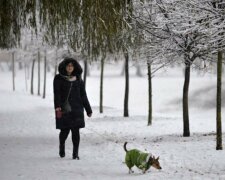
76 157
76 141
75 154
62 150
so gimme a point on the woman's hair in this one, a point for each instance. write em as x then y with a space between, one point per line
77 67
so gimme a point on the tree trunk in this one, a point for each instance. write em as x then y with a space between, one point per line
101 83
186 131
45 73
138 70
85 72
88 70
28 70
32 78
150 94
20 66
1 68
123 69
25 71
13 70
56 62
56 68
218 103
126 113
39 73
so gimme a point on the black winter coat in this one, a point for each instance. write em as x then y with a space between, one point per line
77 99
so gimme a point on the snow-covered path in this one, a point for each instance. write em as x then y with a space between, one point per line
29 140
29 145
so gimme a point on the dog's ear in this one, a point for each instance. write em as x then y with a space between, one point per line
157 158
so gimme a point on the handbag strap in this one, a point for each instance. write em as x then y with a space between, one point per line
69 91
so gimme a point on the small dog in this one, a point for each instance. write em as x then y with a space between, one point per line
140 159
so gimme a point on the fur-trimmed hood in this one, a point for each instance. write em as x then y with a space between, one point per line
77 67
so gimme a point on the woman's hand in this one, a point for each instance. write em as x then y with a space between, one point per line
89 115
58 112
58 109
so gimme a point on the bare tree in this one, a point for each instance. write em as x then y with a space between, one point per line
13 70
25 74
101 82
211 20
171 35
126 96
45 72
149 64
56 61
218 103
32 77
85 72
39 72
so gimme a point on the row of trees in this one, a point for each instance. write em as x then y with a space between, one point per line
185 30
160 32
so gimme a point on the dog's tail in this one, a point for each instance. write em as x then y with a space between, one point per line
124 146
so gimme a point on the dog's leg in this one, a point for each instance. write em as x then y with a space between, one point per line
143 171
131 171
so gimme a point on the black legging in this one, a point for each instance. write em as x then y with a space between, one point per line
75 138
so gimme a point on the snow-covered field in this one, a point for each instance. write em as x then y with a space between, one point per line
29 140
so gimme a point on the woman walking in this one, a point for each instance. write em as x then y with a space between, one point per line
70 100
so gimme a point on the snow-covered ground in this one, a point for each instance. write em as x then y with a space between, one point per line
29 140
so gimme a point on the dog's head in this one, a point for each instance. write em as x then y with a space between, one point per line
154 162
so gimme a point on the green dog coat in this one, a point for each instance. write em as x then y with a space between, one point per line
137 158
